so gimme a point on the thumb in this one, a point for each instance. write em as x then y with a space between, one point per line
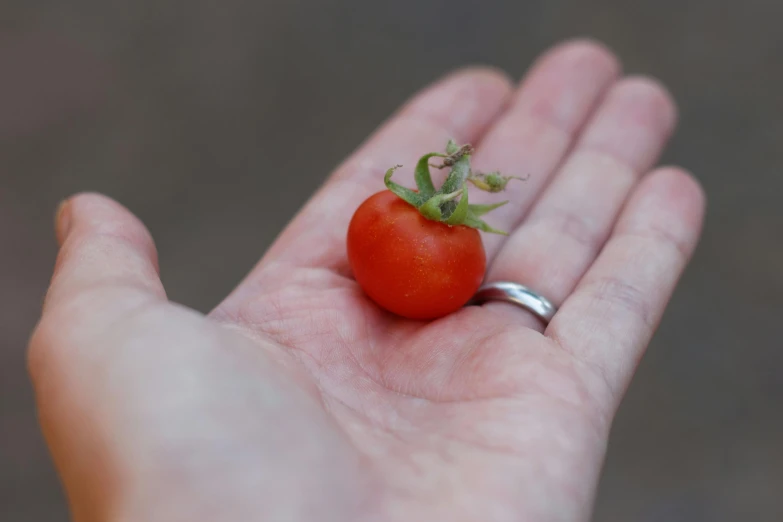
106 271
102 246
106 267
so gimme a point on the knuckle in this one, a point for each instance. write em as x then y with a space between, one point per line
43 348
576 227
663 237
572 225
74 319
622 296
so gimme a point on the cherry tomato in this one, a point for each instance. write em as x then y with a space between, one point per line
410 265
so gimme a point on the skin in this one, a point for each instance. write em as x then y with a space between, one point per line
410 265
299 399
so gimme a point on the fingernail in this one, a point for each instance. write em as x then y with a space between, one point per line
62 221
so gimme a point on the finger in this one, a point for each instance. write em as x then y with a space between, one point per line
609 319
532 138
571 221
461 107
106 267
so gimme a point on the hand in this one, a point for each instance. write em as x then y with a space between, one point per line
298 399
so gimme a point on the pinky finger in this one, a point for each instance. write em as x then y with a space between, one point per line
610 318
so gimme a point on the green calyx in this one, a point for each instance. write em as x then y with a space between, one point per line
449 204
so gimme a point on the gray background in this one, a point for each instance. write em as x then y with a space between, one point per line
213 121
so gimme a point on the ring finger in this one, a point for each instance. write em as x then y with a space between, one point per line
571 221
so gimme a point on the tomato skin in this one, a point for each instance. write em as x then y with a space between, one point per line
410 265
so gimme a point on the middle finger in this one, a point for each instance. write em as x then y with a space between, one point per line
550 108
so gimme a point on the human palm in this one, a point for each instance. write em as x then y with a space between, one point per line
298 399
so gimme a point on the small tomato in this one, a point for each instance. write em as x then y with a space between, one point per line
410 265
418 253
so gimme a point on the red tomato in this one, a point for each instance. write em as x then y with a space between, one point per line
410 265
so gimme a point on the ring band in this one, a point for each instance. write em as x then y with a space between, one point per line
517 294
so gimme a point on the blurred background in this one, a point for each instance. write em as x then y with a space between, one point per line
185 111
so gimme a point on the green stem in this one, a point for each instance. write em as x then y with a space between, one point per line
442 205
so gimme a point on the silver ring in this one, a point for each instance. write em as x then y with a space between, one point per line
519 295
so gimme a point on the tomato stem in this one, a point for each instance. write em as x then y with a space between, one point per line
441 204
492 181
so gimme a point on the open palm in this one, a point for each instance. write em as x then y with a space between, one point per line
299 399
